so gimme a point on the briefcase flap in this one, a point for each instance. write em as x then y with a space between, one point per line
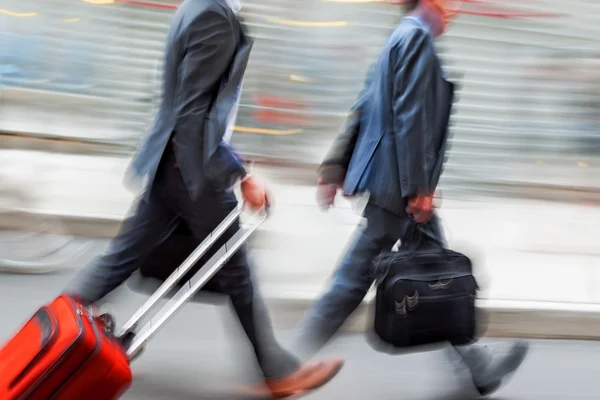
423 265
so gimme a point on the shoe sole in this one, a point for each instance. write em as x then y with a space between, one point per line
267 394
331 375
299 393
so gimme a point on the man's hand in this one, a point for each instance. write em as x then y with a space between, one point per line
326 193
255 194
420 208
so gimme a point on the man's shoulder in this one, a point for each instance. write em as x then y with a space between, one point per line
411 37
408 31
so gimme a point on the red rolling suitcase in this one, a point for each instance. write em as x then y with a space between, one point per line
65 353
60 353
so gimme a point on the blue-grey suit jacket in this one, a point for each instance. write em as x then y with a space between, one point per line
205 60
393 144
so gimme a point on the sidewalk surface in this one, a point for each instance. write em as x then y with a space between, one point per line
202 353
530 255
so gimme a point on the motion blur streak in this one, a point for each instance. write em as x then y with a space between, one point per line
80 81
527 79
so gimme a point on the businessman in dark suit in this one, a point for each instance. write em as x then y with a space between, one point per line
393 147
190 170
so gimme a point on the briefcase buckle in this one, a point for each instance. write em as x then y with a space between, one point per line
408 304
441 284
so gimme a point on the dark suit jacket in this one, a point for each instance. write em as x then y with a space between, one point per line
394 141
205 60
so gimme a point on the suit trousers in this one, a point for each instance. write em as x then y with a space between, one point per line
156 216
354 276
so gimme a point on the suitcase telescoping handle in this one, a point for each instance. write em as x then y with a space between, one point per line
187 291
180 272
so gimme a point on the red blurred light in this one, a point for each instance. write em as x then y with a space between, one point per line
274 116
489 8
149 4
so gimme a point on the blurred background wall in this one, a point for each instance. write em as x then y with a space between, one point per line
528 73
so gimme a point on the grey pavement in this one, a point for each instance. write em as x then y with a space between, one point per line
201 354
554 371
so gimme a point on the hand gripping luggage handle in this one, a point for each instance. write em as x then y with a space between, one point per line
196 282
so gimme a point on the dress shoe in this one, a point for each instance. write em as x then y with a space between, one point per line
491 366
307 378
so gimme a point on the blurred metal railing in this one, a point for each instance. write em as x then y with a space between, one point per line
529 85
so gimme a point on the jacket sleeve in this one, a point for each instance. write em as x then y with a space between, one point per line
335 164
209 50
414 69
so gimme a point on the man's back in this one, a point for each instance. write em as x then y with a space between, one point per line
405 86
201 43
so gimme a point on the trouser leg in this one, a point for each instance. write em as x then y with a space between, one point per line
235 280
147 227
350 283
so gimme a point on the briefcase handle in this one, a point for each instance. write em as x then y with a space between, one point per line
440 242
378 273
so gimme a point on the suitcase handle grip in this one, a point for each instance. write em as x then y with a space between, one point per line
186 292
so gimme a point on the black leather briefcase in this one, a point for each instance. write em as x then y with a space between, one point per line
423 298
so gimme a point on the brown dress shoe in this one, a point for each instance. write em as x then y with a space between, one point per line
308 377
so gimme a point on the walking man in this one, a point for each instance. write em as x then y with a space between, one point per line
190 170
390 146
